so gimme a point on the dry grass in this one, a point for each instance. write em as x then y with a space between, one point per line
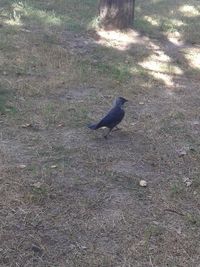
67 196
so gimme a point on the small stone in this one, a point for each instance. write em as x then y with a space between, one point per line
188 183
27 125
54 166
185 179
196 122
182 153
37 249
22 166
37 185
83 247
141 103
179 230
133 123
143 183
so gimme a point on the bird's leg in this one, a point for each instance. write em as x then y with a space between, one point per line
106 136
116 128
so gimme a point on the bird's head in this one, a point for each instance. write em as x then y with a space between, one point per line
120 101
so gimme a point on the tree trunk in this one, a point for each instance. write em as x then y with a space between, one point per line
118 14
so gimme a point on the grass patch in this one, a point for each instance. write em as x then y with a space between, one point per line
151 232
5 105
74 115
177 191
193 220
38 194
63 14
65 187
144 26
157 17
6 42
119 72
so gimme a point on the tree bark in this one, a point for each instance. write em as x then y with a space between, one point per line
117 14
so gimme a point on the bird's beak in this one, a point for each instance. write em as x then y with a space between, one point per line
125 102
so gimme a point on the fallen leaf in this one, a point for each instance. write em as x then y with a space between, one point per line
30 126
61 125
182 153
27 125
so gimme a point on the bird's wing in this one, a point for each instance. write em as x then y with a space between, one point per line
114 116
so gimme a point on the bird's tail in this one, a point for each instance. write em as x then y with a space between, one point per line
93 126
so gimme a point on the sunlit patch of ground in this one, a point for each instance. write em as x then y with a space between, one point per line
189 10
119 40
161 67
193 57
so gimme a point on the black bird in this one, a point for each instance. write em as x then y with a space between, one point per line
113 118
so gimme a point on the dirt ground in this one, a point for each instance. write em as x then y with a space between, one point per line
68 197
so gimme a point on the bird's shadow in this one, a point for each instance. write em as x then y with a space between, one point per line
116 136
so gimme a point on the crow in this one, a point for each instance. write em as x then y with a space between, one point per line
113 118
